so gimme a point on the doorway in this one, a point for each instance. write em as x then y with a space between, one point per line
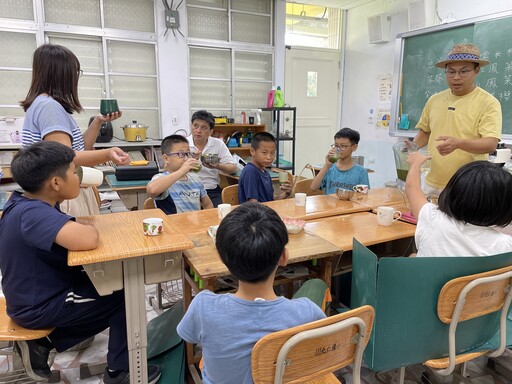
312 85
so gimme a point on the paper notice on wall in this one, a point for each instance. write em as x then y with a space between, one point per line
383 117
384 85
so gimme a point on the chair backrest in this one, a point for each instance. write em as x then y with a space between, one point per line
149 203
97 195
313 350
473 296
230 194
304 186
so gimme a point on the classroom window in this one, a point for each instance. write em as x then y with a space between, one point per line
312 26
312 84
230 55
114 41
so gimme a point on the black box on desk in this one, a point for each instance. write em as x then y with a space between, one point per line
136 172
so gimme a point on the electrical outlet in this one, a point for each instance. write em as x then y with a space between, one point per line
175 120
172 19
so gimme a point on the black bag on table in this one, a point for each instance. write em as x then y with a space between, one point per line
136 172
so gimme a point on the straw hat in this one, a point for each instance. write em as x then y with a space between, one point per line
461 53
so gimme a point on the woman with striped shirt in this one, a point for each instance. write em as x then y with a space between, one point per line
49 105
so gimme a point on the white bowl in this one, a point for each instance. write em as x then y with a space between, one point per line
294 226
212 231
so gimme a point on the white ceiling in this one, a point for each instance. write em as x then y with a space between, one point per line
342 4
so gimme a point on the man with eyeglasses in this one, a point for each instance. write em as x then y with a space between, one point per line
460 124
201 142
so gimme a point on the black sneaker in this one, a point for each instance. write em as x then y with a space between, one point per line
34 356
122 377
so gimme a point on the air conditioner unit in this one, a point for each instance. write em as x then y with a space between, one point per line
378 28
417 14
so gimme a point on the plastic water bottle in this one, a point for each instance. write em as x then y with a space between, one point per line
278 98
270 97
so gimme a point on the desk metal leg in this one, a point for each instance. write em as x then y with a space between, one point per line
187 282
133 199
141 198
133 271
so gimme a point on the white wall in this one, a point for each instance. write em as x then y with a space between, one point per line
173 73
365 62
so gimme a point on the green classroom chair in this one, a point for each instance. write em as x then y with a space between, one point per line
404 292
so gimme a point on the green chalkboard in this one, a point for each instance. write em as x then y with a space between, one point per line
419 79
495 39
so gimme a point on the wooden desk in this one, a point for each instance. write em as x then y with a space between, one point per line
316 207
340 230
195 222
126 258
132 193
381 196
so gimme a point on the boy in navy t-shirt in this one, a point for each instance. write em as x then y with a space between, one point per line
255 183
40 289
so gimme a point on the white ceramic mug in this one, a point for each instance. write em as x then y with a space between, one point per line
300 199
386 215
223 210
89 177
361 188
152 226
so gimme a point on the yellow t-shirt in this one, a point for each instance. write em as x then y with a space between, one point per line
472 116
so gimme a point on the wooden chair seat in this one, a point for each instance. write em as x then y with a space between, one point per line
10 331
459 359
327 379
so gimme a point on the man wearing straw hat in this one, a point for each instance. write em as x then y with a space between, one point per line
460 124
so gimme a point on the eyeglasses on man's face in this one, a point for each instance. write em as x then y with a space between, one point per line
201 127
462 73
341 146
180 155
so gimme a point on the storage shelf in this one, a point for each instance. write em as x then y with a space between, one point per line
277 115
228 129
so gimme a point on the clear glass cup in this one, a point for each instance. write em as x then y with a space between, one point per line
425 167
196 167
335 155
283 177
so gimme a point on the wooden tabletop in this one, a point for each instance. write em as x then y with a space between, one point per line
195 222
381 196
122 237
316 207
302 247
340 230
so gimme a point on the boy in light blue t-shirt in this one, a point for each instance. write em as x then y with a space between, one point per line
343 173
251 241
177 189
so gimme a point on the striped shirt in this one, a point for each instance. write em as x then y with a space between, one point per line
186 194
45 116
